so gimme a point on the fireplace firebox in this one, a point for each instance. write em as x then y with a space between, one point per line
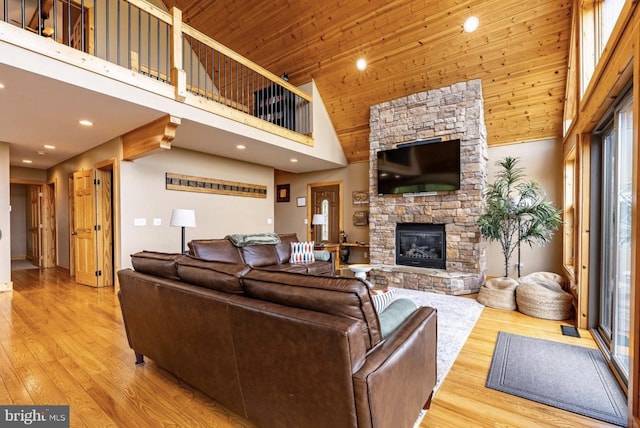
421 245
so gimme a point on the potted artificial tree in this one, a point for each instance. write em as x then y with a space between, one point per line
516 211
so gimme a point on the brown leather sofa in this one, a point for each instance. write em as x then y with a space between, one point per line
265 256
281 349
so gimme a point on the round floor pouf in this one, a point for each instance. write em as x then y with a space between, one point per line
547 300
499 293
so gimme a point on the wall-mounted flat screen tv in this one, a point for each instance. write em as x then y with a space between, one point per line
421 166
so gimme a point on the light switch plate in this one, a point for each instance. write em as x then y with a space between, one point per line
157 222
139 221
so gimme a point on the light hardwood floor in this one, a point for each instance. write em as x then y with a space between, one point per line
63 343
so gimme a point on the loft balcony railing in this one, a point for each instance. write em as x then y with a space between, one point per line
148 40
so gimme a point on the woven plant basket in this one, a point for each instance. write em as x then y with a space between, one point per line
499 293
543 301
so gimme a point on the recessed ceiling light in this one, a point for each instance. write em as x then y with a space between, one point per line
1 86
471 24
241 147
361 64
85 122
49 146
41 152
27 161
294 160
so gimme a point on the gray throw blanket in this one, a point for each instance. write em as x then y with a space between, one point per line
244 240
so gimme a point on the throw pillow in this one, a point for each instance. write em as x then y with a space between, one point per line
322 255
381 299
302 252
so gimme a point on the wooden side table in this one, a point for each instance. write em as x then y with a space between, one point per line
348 246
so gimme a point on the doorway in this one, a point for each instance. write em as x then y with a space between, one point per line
611 254
326 199
33 224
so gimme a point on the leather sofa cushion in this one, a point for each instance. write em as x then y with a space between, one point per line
164 265
214 275
346 297
283 248
218 250
260 255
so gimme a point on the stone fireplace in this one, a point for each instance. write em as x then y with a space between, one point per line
455 111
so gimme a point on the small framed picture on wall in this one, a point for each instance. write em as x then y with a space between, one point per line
283 193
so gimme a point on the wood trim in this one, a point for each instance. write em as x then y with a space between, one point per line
150 138
152 10
22 181
634 313
583 164
70 225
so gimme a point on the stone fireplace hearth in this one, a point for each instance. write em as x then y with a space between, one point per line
455 111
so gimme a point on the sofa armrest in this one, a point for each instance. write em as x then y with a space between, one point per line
399 375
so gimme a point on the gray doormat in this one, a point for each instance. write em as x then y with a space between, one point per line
568 377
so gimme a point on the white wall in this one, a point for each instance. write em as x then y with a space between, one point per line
542 161
5 228
143 195
140 193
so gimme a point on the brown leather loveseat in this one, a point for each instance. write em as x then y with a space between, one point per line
265 256
281 349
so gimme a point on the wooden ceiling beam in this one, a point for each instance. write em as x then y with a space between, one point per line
150 138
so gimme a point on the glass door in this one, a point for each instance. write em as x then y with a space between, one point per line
615 226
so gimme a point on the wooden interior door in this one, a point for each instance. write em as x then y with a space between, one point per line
49 254
104 192
326 199
34 221
84 218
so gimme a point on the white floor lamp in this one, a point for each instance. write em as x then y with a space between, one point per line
183 218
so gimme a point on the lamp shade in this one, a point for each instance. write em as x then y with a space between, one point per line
183 218
318 219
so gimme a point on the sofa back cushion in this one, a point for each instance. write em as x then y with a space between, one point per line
164 265
346 297
260 255
283 249
218 250
214 275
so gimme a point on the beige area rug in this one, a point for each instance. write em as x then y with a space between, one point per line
456 318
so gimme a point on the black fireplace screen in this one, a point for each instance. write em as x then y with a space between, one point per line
422 245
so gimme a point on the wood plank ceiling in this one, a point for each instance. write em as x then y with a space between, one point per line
520 52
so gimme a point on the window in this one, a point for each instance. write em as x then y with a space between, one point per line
597 18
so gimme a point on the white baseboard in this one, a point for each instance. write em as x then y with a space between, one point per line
6 286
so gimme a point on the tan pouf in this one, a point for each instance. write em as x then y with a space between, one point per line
550 279
542 296
499 293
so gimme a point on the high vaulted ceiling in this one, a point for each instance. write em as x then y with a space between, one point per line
520 52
